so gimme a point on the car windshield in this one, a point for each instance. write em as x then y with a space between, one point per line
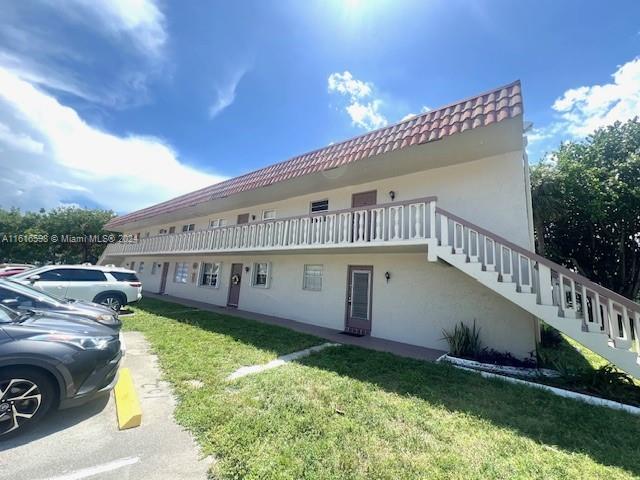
30 291
7 315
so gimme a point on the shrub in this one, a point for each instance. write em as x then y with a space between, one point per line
550 337
463 341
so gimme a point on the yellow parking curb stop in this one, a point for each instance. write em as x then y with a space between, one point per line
127 404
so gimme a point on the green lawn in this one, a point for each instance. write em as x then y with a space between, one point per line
351 413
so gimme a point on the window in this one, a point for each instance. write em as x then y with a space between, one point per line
268 214
133 265
218 222
85 275
50 276
209 275
141 267
261 273
242 218
189 228
125 276
172 230
72 275
312 278
162 231
319 206
182 272
154 268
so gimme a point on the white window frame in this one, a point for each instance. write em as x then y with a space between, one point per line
181 272
172 230
217 222
306 275
254 275
189 227
140 267
269 214
318 212
201 274
162 231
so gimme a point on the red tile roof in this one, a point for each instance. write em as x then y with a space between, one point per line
475 112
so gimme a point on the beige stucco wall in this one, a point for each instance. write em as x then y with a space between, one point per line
419 301
490 192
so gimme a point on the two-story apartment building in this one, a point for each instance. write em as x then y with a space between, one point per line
398 233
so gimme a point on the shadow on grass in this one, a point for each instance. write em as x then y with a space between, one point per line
279 340
607 436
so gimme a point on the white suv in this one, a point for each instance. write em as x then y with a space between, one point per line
111 286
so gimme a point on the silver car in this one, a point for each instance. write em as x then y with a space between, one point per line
19 296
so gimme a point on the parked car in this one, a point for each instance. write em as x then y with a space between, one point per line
25 297
113 287
51 360
8 269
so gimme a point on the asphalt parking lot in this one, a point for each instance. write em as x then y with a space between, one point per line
85 442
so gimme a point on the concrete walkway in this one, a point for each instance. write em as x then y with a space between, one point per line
85 442
335 336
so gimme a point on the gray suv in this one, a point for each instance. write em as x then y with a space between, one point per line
51 360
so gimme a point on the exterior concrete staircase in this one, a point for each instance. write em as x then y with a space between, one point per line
599 319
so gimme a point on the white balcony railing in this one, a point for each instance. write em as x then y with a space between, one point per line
397 223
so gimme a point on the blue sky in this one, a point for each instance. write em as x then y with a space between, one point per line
121 104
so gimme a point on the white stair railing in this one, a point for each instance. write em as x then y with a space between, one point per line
597 309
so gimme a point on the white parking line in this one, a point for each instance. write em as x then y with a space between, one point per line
91 471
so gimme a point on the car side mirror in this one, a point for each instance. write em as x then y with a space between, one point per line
11 302
33 278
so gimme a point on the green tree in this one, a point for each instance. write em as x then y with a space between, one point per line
586 202
64 221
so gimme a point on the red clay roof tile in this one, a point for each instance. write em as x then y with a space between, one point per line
481 110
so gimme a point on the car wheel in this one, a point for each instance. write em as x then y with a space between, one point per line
111 300
26 395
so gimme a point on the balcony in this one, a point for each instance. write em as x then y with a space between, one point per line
410 222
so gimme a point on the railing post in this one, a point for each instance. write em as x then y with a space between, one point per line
545 284
432 219
444 230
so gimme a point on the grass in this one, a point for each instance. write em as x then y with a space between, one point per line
571 355
351 413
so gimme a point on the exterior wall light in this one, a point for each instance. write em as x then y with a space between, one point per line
246 269
387 275
392 195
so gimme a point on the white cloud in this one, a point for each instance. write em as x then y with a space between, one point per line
345 84
586 108
19 141
580 111
366 115
226 93
57 57
138 20
81 161
408 116
363 110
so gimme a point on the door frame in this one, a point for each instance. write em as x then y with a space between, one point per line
231 285
358 329
164 274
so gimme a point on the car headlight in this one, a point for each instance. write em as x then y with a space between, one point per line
80 341
107 319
